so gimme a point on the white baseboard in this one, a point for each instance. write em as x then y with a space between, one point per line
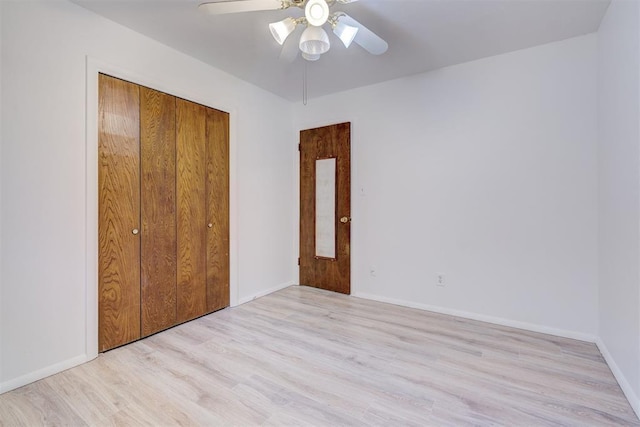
632 397
249 298
483 318
42 373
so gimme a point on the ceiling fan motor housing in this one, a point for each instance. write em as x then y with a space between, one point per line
316 12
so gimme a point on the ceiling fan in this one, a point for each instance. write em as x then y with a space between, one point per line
314 41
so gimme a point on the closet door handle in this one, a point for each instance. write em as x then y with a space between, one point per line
210 225
135 231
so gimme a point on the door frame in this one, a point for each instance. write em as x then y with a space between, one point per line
95 66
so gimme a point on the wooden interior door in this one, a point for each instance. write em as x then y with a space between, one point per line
325 208
158 210
191 140
217 186
118 213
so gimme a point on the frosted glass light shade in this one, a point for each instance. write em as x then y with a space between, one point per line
346 33
282 29
314 41
310 57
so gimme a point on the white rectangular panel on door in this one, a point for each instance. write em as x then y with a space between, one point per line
326 208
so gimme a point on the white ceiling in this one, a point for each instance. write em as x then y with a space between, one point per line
423 35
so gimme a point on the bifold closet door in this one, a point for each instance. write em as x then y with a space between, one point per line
191 139
158 210
118 212
217 209
163 211
203 209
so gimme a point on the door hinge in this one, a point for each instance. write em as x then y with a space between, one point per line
299 148
298 260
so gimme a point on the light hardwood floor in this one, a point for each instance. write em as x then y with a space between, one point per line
303 356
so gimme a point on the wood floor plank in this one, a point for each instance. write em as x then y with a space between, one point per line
303 356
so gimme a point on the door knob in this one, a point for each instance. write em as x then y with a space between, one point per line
210 225
135 231
344 219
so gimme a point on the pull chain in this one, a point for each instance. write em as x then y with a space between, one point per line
304 85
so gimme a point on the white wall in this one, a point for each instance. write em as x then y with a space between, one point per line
43 171
486 172
619 187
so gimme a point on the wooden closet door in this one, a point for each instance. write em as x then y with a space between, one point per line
217 187
118 212
158 210
191 133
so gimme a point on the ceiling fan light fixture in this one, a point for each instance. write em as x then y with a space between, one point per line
282 29
310 57
316 12
314 41
346 33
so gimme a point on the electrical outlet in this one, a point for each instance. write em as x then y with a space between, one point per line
440 280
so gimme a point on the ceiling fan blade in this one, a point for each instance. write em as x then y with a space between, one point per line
366 38
237 6
291 49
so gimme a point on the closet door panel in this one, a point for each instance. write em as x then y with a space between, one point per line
191 122
158 210
119 213
217 187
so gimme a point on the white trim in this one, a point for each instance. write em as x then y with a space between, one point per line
93 67
632 397
483 318
265 293
295 184
42 373
356 203
91 210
